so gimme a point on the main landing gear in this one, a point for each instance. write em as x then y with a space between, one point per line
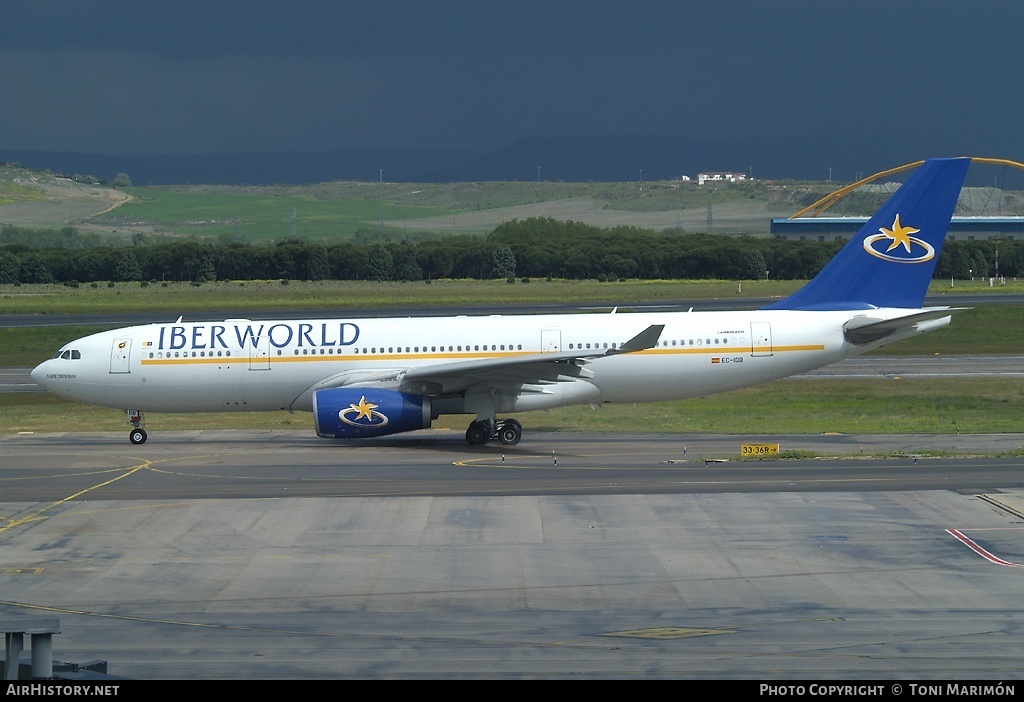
137 435
507 431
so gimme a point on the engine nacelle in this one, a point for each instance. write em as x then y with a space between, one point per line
359 413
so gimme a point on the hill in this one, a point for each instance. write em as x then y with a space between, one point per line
42 200
341 209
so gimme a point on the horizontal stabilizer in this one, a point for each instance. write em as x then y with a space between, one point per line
864 330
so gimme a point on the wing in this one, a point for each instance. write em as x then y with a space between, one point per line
506 373
443 378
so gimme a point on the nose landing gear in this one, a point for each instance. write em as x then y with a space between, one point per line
137 435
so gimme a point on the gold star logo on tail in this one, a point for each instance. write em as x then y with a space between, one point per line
899 237
899 234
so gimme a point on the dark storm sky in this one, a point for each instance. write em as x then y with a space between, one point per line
129 77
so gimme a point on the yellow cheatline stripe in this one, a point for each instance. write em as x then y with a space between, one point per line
333 357
719 351
378 358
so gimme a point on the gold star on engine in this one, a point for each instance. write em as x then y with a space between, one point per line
899 234
364 408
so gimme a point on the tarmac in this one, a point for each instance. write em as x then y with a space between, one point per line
186 558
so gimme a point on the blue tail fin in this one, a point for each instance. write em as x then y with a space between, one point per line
890 261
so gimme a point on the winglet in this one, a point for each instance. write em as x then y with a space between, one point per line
647 339
890 261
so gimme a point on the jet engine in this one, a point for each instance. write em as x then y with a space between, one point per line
358 413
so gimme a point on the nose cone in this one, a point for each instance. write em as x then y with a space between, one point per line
38 374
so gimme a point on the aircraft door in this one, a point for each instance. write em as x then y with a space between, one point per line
259 352
550 340
120 353
761 339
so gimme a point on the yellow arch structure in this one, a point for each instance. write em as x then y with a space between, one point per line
816 208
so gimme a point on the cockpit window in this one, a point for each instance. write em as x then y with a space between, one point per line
69 354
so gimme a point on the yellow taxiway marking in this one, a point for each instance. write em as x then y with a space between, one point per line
11 523
8 523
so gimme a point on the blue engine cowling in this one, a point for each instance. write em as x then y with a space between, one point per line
358 413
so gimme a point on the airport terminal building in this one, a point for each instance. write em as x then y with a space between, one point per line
830 228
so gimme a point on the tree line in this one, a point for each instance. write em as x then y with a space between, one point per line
530 248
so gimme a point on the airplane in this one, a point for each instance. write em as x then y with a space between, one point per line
364 378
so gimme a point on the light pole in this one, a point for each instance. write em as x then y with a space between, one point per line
997 258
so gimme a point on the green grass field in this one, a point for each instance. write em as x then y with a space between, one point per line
182 298
257 217
790 406
337 210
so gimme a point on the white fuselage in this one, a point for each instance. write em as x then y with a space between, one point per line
275 365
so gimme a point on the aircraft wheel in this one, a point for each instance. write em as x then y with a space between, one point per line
137 436
477 434
510 432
